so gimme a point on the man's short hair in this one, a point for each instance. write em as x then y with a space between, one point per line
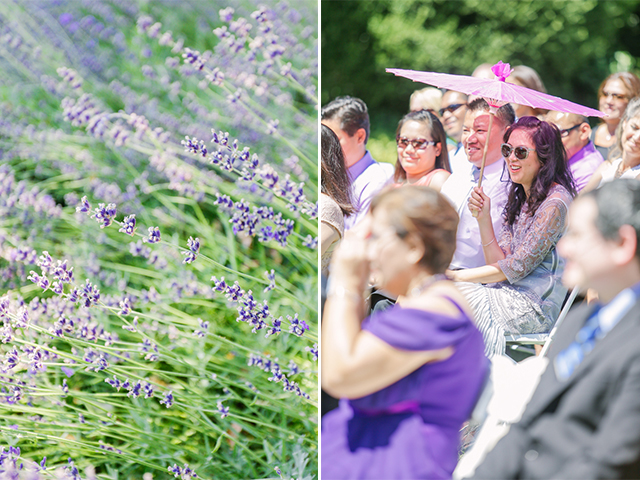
505 113
352 113
618 204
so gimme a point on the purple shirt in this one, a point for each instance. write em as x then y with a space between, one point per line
368 177
584 163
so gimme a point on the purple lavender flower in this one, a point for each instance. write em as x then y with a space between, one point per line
105 214
128 225
154 235
115 383
271 276
313 351
167 400
144 22
133 327
70 76
204 327
194 249
62 272
278 471
195 146
226 14
272 126
148 390
134 391
222 410
125 306
44 262
90 293
297 327
293 368
234 292
41 281
275 327
65 387
310 242
219 285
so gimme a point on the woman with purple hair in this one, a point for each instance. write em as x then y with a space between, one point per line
519 289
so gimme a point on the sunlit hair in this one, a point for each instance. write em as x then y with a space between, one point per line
350 111
426 214
429 98
505 113
528 77
335 178
553 167
632 110
436 130
618 204
630 81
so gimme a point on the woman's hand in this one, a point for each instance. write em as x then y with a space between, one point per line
350 264
480 205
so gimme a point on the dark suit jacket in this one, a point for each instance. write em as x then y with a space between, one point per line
587 426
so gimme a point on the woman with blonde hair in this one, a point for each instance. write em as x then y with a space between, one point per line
614 95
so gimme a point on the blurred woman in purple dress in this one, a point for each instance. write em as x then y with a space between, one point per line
408 376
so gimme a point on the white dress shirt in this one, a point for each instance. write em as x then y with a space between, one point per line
458 189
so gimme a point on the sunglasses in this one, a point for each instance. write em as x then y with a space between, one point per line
417 143
520 152
451 108
565 133
615 96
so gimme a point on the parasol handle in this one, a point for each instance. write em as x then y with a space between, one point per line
484 154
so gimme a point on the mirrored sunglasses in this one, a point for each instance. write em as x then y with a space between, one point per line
520 152
451 108
416 143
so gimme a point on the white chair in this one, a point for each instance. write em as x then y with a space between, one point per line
506 393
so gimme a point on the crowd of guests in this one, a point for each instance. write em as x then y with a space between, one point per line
460 266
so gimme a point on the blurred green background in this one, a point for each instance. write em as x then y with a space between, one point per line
572 44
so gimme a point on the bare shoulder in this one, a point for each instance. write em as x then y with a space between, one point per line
438 180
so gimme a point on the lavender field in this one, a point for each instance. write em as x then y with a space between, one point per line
158 232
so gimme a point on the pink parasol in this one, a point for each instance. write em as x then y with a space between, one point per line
496 92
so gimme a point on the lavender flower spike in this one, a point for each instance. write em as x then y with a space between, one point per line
128 225
84 206
154 235
194 249
222 410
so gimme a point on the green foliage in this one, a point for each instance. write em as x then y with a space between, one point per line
573 45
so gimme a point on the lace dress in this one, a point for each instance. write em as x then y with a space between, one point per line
529 301
330 214
611 173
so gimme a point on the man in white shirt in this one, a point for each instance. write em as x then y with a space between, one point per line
495 183
349 119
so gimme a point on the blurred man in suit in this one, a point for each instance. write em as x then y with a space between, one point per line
583 420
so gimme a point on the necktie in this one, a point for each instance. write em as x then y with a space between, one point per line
568 360
475 171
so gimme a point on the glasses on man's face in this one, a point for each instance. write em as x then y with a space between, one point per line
614 96
451 108
565 133
416 143
520 152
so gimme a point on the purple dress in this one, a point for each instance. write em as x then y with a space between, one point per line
411 429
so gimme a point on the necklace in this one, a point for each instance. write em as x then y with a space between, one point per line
426 283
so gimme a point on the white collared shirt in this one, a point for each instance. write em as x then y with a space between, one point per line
458 189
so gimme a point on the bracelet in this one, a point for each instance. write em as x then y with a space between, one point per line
342 292
487 244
